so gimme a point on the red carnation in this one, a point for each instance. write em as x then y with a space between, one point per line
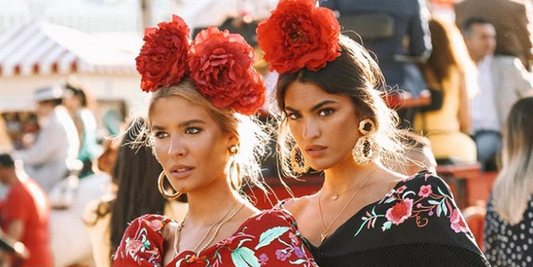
299 35
253 95
220 64
163 57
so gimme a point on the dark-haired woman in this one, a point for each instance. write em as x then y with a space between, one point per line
77 101
135 176
334 120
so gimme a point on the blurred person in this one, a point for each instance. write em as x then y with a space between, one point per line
10 248
405 40
49 158
76 100
6 146
25 213
334 120
512 20
508 234
5 141
205 138
135 174
106 161
502 80
450 73
74 246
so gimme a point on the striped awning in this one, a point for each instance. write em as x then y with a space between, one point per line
42 48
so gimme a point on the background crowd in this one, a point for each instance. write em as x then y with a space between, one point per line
464 90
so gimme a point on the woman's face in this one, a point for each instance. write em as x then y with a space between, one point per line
323 125
70 100
189 144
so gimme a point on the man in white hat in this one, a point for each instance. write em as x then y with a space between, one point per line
57 145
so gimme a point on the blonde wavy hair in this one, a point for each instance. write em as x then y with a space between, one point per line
253 138
513 187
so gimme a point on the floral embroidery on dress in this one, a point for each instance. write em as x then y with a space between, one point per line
267 239
139 247
408 202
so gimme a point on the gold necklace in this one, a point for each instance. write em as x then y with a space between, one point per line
337 195
219 223
325 230
218 228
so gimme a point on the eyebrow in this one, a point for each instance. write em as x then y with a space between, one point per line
181 125
315 107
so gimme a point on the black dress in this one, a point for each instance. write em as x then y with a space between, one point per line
416 224
509 245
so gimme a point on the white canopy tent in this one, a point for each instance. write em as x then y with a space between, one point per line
41 54
43 48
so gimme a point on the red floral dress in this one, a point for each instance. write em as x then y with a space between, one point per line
267 239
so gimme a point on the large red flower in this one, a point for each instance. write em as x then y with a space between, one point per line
400 212
253 97
298 35
163 57
221 66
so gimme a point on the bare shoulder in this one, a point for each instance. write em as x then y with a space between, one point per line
168 230
384 180
390 177
297 205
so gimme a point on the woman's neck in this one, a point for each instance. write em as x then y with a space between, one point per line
347 174
209 204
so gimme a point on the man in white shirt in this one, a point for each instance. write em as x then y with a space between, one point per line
502 81
48 159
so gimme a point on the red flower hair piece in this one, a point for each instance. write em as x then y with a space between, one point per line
163 57
221 64
297 34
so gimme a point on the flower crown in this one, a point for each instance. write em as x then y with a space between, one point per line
219 63
297 34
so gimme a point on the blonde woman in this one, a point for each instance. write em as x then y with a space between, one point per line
206 141
509 219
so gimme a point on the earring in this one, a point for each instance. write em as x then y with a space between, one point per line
296 162
162 190
365 149
235 169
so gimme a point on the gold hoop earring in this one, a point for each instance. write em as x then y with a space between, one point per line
366 148
235 169
296 164
235 175
162 190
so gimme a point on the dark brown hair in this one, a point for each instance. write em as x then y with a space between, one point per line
135 174
351 74
443 57
354 74
136 171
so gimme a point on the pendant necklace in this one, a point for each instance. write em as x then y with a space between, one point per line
325 229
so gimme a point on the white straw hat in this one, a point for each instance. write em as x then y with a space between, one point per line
48 93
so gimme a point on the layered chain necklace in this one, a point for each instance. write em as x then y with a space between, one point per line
224 219
325 229
336 196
